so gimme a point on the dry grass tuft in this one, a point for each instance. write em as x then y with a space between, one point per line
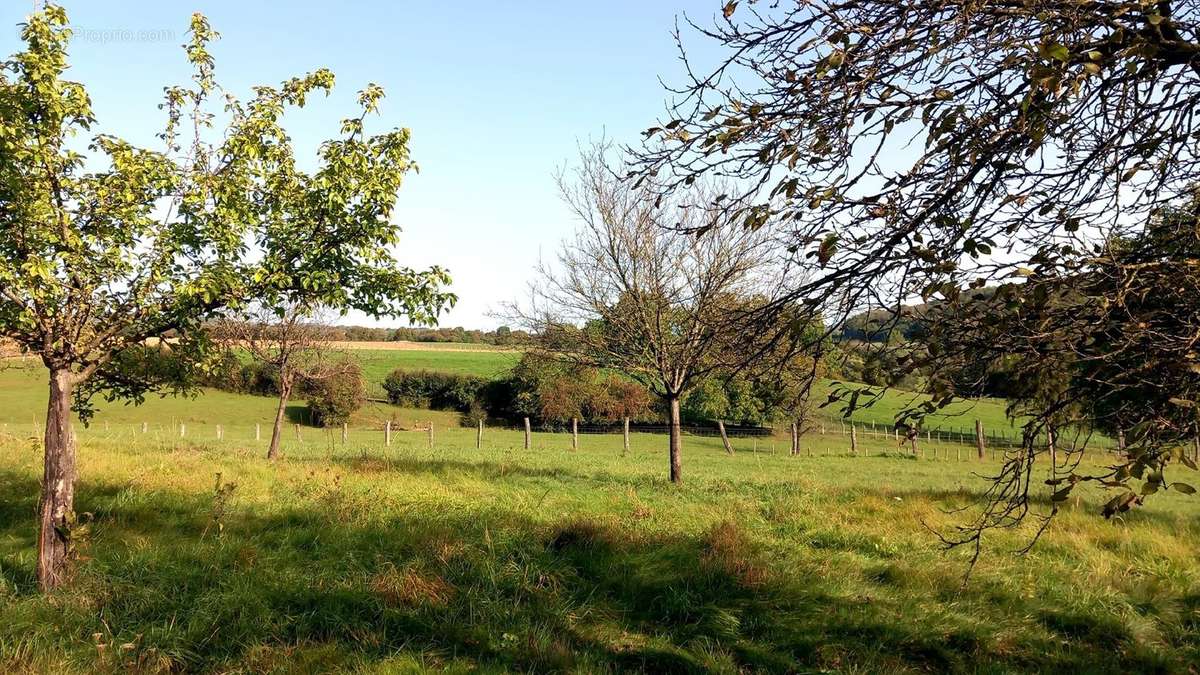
729 551
366 464
410 588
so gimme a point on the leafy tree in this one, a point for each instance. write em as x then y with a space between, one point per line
1107 344
97 262
923 149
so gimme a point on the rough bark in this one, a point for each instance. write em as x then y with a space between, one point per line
676 441
56 507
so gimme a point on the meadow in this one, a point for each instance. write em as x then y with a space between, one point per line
197 555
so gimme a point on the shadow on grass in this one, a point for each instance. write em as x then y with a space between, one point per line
182 586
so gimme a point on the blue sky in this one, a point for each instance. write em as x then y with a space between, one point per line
497 95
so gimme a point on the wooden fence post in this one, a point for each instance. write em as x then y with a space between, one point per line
298 437
387 433
182 430
626 436
479 436
574 433
344 432
853 440
979 446
1120 440
527 433
145 427
219 434
724 437
795 440
257 431
431 433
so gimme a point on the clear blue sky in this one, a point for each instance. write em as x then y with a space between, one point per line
497 95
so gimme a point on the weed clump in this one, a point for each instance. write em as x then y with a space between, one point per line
729 552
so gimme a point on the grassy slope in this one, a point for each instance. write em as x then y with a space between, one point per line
409 558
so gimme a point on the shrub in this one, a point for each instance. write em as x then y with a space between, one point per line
229 373
335 393
427 389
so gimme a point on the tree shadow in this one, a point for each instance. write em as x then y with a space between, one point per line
196 586
298 413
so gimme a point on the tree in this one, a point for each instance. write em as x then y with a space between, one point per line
922 149
1107 344
98 261
293 340
634 292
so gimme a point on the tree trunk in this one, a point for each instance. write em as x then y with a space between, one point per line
285 390
676 441
56 507
724 437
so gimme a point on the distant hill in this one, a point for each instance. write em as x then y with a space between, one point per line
878 325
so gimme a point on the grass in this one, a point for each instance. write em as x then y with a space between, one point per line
369 559
377 363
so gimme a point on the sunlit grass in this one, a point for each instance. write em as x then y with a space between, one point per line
363 557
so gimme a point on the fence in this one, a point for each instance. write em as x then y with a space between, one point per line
856 438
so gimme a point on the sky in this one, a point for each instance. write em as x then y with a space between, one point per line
498 96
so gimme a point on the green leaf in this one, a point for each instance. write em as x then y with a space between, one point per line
1054 50
1184 488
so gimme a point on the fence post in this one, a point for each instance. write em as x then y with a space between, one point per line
724 437
626 432
145 427
979 446
182 430
795 440
431 433
853 440
574 433
219 434
387 433
1120 440
527 433
257 431
298 437
479 436
344 431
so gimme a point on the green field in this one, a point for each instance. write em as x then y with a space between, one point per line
409 558
377 363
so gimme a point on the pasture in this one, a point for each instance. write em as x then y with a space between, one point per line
198 555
